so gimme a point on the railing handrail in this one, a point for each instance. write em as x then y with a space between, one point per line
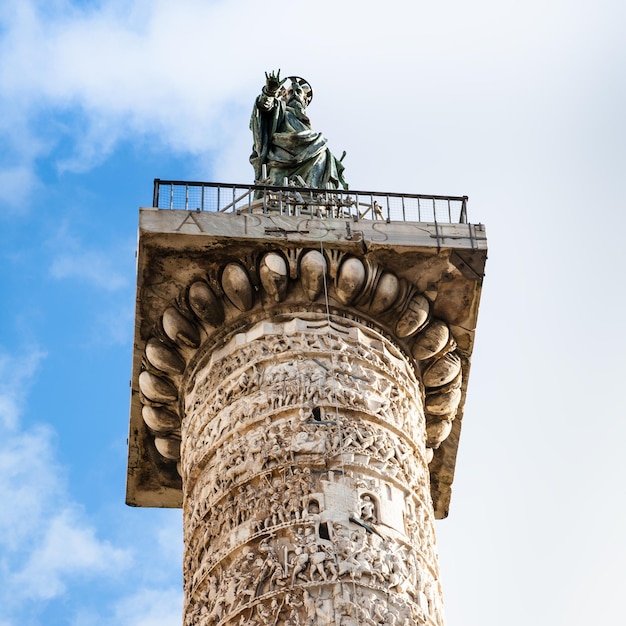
393 206
391 194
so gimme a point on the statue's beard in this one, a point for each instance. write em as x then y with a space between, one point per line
299 108
297 102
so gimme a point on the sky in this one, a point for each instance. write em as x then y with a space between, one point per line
519 105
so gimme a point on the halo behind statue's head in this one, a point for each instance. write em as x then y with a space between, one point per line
286 89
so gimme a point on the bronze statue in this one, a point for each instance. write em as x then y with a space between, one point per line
286 150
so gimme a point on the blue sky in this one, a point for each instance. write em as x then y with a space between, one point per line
519 105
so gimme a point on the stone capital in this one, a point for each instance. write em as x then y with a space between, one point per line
207 281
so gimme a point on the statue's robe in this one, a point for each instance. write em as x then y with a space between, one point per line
286 144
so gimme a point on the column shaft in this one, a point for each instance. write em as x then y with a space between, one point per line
305 480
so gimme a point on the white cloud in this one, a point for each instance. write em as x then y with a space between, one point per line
185 74
148 606
103 269
68 548
17 184
15 379
45 539
169 538
48 544
108 268
115 325
30 481
94 267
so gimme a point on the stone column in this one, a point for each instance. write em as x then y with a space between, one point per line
298 401
306 482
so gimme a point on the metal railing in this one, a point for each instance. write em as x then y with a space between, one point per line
331 203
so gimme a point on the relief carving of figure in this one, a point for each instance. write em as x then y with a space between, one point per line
368 510
304 441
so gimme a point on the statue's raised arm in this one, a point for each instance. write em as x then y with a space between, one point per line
273 83
286 150
267 100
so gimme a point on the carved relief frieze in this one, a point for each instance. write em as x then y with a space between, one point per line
342 567
301 396
243 480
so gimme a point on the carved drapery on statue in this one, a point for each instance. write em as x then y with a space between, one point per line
284 141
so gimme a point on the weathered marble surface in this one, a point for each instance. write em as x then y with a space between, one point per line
306 480
203 275
298 388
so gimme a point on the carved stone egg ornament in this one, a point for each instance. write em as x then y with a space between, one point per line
386 293
179 329
273 275
160 420
443 403
350 279
312 274
237 287
430 341
443 370
156 388
437 432
413 317
168 447
205 304
164 358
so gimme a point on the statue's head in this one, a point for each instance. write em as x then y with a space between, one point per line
299 89
297 93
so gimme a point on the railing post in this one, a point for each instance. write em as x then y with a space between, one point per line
463 216
436 225
155 192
